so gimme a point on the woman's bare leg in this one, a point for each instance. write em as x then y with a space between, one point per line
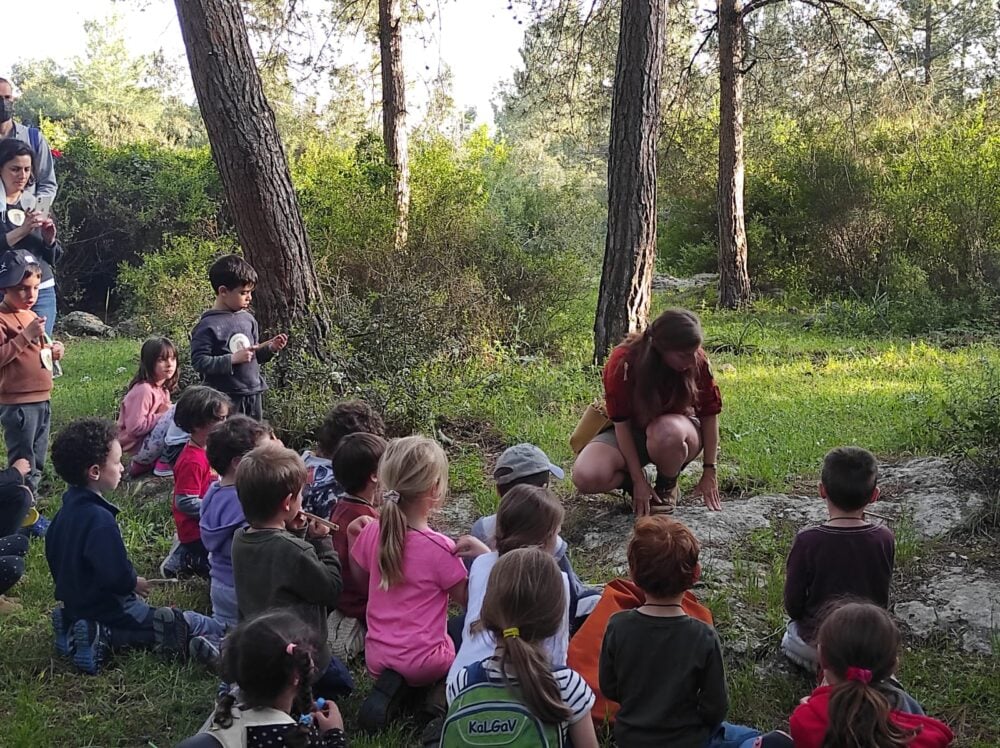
599 468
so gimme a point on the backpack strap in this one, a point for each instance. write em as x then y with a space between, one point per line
35 136
475 673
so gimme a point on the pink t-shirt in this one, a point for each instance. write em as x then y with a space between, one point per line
407 624
142 407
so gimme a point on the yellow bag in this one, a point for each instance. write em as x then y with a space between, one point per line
594 421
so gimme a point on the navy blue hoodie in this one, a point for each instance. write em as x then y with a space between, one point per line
212 357
87 557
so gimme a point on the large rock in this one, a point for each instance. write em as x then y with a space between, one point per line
84 325
959 601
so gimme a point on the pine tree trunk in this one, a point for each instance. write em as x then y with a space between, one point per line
630 248
928 40
734 280
390 34
251 161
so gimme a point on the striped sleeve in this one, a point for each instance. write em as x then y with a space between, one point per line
458 684
576 694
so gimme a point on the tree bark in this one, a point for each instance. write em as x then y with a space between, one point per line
251 160
630 247
734 280
928 39
394 111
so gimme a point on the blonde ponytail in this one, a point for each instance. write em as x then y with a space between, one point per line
410 469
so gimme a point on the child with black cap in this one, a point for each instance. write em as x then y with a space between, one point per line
527 464
27 358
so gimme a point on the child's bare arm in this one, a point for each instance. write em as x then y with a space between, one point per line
459 594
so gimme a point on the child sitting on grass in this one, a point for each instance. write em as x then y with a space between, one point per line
524 607
858 704
411 573
221 511
846 556
356 465
199 411
142 418
529 517
270 659
283 561
664 667
103 605
322 487
526 464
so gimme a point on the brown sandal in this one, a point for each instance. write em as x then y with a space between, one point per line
665 495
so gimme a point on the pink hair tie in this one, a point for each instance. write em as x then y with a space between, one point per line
859 674
290 649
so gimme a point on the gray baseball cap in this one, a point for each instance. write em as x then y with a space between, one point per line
523 460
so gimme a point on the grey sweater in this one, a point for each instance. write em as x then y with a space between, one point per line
45 173
212 357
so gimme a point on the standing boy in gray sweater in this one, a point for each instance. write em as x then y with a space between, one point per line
224 347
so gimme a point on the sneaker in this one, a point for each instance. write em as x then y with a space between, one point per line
346 637
8 606
91 645
171 565
205 651
170 633
383 703
61 631
163 469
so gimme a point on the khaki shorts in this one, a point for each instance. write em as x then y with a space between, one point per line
638 436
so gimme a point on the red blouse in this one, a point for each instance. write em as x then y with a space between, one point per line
618 387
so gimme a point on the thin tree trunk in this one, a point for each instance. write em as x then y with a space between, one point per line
394 111
734 280
928 39
251 161
630 248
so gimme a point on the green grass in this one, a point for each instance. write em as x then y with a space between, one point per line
790 394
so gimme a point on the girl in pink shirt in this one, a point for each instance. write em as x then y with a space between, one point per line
411 573
142 426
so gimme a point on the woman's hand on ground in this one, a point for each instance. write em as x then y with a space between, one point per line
708 487
642 495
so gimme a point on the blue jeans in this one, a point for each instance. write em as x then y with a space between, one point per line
732 736
134 626
46 307
336 682
224 608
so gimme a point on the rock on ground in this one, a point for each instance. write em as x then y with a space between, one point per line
84 324
923 493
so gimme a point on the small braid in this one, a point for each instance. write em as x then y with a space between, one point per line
224 710
298 734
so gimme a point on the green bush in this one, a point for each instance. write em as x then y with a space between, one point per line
169 289
118 204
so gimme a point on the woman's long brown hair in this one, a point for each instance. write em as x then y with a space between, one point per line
860 636
673 330
525 591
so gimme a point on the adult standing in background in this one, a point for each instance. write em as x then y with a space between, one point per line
45 184
42 184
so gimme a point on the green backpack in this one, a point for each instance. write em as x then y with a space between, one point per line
491 714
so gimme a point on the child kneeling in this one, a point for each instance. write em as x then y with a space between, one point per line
103 599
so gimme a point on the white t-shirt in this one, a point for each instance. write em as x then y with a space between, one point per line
573 689
478 647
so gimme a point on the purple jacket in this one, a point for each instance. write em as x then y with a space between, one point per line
221 516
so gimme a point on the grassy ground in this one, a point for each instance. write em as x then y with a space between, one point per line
791 393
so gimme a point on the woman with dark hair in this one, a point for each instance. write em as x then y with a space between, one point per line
23 227
664 406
